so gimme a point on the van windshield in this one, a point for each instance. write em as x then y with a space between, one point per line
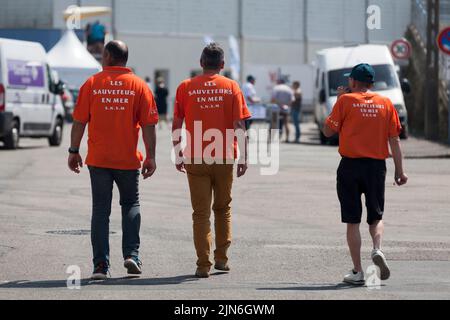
385 78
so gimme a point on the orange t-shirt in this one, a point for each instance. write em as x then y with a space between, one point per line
365 122
115 103
210 104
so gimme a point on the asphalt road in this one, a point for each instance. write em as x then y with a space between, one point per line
288 239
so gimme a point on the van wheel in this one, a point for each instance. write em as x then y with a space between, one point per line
323 139
56 138
404 135
11 140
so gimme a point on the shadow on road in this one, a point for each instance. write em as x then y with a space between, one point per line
20 148
125 281
311 143
326 287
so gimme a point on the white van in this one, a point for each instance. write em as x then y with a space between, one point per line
30 101
331 66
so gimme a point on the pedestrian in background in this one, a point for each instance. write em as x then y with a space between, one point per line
161 94
296 109
249 90
367 123
96 34
148 81
283 96
251 97
217 103
115 104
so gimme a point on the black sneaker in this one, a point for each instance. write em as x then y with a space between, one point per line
133 265
100 271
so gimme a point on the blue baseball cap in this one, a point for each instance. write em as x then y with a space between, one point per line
363 73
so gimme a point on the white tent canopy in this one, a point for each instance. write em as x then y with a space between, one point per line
72 61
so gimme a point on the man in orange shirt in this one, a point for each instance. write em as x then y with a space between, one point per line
116 104
215 111
366 123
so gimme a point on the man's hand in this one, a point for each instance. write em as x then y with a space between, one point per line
241 169
180 167
75 162
342 90
401 179
148 168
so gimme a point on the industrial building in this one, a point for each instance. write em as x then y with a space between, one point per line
275 36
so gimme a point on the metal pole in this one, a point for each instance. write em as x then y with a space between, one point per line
366 29
241 39
113 19
432 73
305 31
448 93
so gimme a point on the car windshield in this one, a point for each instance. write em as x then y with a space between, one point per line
385 78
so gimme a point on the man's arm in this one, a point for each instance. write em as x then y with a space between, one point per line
242 138
400 177
75 162
77 133
254 99
333 123
149 136
327 131
149 165
177 125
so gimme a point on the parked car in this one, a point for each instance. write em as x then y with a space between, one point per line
30 97
68 103
331 66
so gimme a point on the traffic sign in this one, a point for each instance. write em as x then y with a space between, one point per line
444 40
401 49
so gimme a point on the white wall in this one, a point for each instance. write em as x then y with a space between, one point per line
180 55
25 14
395 16
281 19
215 17
168 34
60 5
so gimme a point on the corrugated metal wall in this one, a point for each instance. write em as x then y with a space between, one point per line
337 21
215 17
168 34
26 14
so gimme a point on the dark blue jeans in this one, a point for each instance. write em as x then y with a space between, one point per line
296 114
102 181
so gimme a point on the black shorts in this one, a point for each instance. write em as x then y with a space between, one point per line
361 176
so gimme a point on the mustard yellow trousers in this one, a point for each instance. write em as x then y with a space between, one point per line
211 184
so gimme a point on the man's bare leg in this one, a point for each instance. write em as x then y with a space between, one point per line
354 244
376 231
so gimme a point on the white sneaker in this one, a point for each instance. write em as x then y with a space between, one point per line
355 278
379 260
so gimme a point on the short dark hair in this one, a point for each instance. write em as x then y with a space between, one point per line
212 56
118 51
250 78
